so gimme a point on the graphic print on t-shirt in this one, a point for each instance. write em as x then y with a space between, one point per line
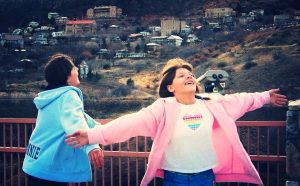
193 121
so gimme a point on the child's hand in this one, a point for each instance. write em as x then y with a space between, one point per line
277 100
77 139
96 158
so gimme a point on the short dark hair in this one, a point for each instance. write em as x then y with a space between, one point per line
57 70
168 74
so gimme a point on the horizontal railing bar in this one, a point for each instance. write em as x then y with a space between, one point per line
13 149
146 154
261 123
126 154
33 120
106 153
104 121
270 158
18 120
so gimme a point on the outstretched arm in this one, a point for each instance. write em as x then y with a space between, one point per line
142 123
77 139
236 105
276 99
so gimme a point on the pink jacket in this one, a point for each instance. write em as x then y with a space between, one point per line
157 121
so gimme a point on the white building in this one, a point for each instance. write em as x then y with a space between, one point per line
175 39
192 38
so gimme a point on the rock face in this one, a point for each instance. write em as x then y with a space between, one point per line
293 141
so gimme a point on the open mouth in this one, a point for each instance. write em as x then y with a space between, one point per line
189 83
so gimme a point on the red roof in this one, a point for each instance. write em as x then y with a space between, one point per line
81 22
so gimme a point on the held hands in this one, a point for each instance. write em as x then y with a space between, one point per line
96 158
277 100
77 139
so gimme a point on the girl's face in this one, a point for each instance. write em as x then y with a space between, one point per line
183 82
73 77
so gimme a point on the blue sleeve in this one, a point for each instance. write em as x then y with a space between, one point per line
90 121
73 117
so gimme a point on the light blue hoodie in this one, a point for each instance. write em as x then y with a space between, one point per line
60 112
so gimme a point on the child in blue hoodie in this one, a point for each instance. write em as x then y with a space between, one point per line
48 159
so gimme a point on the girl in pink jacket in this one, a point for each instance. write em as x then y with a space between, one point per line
195 140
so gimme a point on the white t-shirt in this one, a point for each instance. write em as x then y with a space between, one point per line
191 149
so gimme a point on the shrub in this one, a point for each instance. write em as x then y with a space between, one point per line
270 41
278 55
231 54
130 82
39 78
215 55
222 65
3 84
247 58
249 65
106 66
121 91
97 77
139 67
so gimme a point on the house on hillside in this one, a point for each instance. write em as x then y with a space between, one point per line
145 33
59 21
192 38
186 30
116 39
136 55
125 54
27 65
214 25
81 27
151 47
159 40
170 25
33 24
104 53
104 12
174 40
53 15
245 19
121 54
281 20
155 30
297 16
58 34
219 12
12 41
257 12
228 20
134 37
41 40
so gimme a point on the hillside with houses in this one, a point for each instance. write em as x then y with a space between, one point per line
120 52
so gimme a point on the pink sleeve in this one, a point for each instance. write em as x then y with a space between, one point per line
236 105
142 123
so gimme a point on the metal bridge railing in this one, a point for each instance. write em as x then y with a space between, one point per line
125 163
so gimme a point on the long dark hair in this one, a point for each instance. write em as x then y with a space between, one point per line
57 70
168 74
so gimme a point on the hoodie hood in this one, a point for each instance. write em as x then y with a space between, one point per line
47 97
